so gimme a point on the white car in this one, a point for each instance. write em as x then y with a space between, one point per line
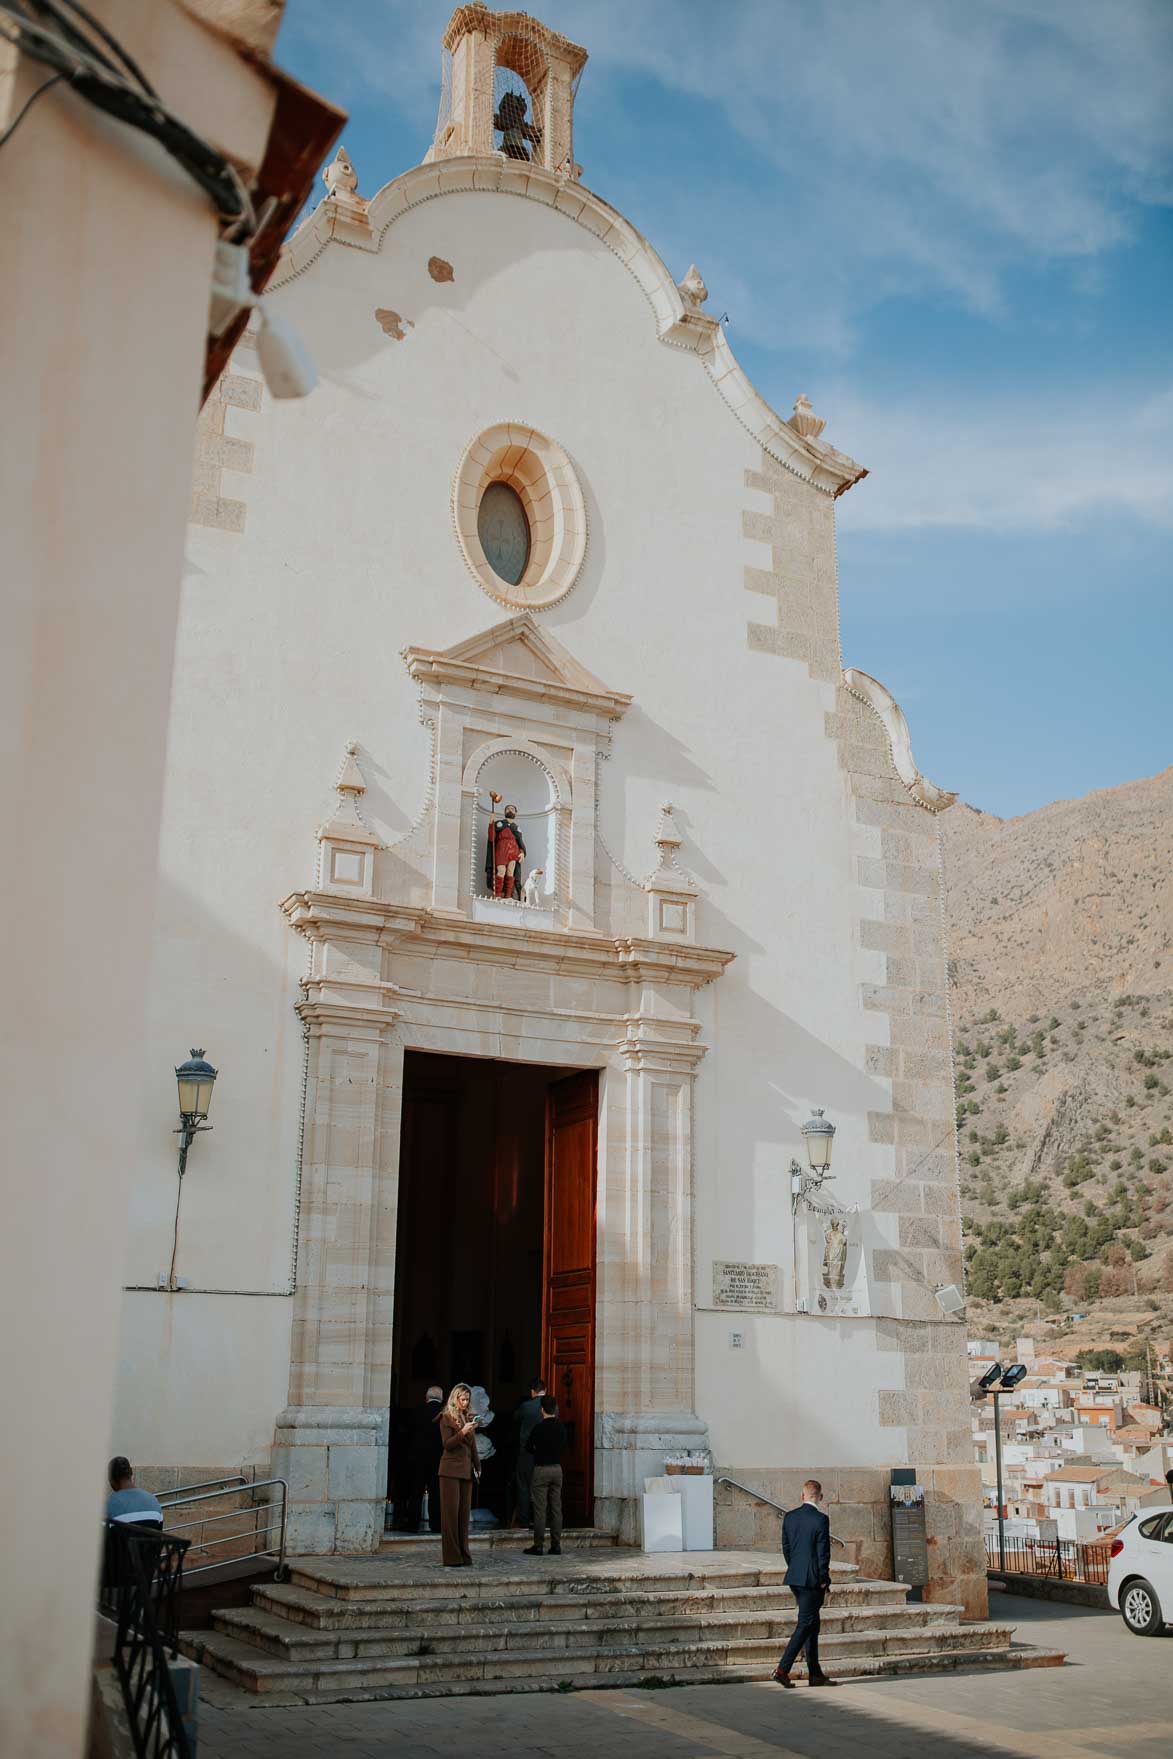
1140 1573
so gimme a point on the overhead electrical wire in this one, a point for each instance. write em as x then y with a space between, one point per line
64 35
53 79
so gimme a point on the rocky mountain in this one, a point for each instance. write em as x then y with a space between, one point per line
1061 971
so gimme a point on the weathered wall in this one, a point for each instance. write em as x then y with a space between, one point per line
106 269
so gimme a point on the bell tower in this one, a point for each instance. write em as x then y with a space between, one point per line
508 90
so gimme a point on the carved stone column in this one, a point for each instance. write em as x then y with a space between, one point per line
331 1443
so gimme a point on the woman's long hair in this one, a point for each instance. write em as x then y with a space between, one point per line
452 1409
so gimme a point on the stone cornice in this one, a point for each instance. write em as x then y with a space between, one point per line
414 929
476 17
574 687
677 323
870 691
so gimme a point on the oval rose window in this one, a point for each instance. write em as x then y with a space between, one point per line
519 514
504 532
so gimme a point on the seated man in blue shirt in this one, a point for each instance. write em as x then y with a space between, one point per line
125 1503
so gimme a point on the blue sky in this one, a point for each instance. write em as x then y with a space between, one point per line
951 224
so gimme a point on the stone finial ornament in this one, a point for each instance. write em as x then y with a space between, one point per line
804 421
350 776
668 839
346 842
671 894
693 290
340 176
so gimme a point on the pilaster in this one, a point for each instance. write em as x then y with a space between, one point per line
332 1441
644 1361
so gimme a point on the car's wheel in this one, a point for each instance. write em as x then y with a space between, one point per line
1140 1609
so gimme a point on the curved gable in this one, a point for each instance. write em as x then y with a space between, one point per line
364 226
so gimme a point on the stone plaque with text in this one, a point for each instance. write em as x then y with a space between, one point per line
752 1288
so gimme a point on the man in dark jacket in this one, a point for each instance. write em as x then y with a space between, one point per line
525 1420
423 1459
546 1446
806 1546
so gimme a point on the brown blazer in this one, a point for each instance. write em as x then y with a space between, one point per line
460 1458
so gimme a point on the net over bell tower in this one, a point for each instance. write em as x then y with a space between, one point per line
507 90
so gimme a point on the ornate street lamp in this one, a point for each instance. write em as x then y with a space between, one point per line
195 1080
819 1134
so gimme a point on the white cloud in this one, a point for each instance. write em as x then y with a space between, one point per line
999 465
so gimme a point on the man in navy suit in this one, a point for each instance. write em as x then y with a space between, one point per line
806 1546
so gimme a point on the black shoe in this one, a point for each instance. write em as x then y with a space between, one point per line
555 1551
533 1551
820 1679
783 1679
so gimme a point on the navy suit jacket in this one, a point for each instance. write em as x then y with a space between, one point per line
806 1546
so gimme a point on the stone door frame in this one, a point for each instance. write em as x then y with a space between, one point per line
389 978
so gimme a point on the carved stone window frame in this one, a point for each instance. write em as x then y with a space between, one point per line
539 470
514 688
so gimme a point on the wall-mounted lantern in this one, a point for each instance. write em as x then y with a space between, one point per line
195 1080
819 1135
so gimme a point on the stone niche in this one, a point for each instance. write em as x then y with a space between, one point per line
412 955
511 708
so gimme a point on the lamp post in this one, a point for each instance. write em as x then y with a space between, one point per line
998 1470
195 1080
998 1380
818 1135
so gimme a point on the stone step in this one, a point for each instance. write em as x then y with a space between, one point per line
302 1606
278 1636
846 1654
495 1539
618 1570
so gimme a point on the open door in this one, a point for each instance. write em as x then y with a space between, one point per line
568 1300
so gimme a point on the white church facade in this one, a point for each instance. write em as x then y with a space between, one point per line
535 536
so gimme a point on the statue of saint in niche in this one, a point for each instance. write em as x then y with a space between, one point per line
835 1253
503 852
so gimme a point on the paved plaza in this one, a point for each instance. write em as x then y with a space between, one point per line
1114 1698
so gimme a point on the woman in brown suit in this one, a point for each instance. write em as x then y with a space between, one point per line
459 1466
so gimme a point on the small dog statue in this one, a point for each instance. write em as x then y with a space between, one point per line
529 891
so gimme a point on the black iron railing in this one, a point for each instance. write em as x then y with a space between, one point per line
1064 1560
141 1578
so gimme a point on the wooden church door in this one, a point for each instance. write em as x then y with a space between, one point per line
568 1300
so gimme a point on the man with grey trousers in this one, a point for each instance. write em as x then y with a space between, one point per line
546 1445
525 1421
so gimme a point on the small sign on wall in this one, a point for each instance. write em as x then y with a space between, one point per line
910 1546
752 1288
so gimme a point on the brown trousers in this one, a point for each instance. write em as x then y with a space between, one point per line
455 1508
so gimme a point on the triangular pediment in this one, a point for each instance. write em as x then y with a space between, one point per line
517 654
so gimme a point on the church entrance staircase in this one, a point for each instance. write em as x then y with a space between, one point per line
400 1626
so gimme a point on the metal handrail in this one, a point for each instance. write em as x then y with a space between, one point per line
280 1523
769 1501
234 1480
